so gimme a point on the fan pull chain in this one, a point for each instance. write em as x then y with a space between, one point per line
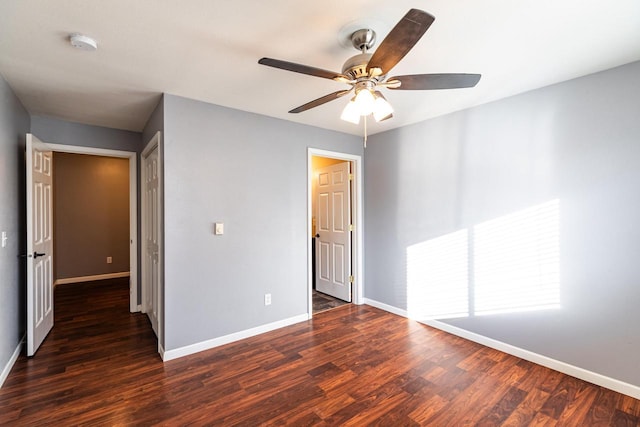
365 131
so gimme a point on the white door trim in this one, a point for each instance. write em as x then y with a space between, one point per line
155 141
358 215
133 207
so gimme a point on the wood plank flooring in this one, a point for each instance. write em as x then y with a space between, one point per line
354 365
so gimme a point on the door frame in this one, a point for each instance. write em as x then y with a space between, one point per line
155 141
133 207
357 213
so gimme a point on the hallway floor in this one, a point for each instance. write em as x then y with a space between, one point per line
323 302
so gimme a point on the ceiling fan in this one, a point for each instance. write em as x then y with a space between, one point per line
367 72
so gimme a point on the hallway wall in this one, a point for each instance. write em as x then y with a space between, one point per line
91 215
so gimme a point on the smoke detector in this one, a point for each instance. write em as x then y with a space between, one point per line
82 42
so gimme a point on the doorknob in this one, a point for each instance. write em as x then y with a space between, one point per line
37 254
317 236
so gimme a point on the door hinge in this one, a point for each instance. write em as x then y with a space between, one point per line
352 227
350 177
351 279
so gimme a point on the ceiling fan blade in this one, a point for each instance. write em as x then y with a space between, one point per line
400 40
434 81
320 101
303 69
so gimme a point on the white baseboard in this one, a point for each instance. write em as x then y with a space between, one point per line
226 339
386 307
91 278
565 368
12 361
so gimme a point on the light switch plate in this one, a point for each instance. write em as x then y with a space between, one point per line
218 228
4 239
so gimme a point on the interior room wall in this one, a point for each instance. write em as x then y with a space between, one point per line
575 143
91 215
14 125
154 124
250 173
57 131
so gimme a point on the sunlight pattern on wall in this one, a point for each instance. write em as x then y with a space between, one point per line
514 260
516 264
438 280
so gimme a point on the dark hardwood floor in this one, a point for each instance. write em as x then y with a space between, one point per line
353 365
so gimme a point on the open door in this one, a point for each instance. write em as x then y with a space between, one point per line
39 243
333 220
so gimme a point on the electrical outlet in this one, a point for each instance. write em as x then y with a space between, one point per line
267 299
109 260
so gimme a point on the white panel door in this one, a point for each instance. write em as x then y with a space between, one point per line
151 212
39 243
333 238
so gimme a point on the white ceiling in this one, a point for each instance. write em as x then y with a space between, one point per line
209 49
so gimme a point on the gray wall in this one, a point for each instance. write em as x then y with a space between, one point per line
249 172
577 142
14 124
154 124
90 214
56 131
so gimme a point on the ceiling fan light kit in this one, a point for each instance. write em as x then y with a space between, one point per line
366 102
382 110
350 113
365 72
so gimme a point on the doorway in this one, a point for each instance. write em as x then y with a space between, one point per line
341 196
32 296
90 218
133 210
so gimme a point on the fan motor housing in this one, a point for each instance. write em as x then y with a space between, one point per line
356 66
